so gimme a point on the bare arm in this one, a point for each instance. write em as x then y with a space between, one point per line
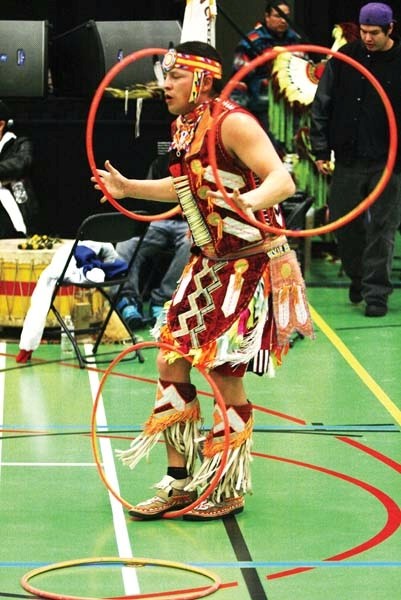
247 141
118 186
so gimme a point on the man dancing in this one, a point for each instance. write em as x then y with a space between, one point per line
239 298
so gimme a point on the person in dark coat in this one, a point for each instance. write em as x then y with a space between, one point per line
349 119
18 204
273 30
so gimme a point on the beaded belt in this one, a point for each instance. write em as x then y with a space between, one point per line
272 247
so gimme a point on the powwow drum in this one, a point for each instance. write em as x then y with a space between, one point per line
19 272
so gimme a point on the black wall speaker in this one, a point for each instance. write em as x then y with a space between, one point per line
81 57
23 58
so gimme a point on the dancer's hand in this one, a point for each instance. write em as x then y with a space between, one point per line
240 201
113 181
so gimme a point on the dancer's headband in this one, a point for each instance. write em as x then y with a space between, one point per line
198 65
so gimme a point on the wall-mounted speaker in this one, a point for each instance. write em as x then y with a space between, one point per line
81 57
23 58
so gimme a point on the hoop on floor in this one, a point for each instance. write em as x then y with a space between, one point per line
219 400
370 198
115 70
130 562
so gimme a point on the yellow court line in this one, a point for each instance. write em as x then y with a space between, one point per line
356 366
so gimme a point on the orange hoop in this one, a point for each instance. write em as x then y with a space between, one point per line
370 198
219 400
117 68
131 562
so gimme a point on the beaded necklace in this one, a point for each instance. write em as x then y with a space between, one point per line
186 127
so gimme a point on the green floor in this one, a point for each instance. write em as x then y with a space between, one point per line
323 521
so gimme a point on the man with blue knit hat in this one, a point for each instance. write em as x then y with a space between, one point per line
349 119
376 13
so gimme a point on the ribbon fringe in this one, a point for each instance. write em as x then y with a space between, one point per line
215 445
157 423
184 440
140 447
236 477
180 429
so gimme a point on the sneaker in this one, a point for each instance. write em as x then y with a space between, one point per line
131 313
210 511
354 293
375 310
170 496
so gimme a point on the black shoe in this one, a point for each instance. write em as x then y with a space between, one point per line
354 293
375 310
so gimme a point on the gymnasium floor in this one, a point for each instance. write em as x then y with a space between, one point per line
322 523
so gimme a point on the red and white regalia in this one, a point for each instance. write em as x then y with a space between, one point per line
242 294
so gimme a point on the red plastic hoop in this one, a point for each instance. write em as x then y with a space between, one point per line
219 400
117 68
370 198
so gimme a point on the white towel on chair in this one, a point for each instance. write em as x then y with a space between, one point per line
35 319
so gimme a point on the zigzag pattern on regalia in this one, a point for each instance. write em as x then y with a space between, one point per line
206 292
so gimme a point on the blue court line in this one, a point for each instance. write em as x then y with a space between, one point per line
245 564
135 428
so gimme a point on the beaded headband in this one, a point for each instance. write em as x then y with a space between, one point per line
198 65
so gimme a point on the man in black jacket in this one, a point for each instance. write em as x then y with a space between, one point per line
349 119
18 206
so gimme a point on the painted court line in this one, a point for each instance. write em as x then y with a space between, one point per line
2 379
252 564
376 390
46 464
131 584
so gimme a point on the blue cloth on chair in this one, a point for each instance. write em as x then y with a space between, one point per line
87 259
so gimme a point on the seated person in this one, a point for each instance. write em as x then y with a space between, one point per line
167 234
18 205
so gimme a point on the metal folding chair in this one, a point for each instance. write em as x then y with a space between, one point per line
110 227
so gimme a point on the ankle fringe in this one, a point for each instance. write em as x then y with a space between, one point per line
184 438
140 447
180 429
236 477
158 423
214 445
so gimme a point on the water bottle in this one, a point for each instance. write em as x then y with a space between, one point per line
66 346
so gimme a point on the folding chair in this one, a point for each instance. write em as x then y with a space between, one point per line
295 210
110 227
